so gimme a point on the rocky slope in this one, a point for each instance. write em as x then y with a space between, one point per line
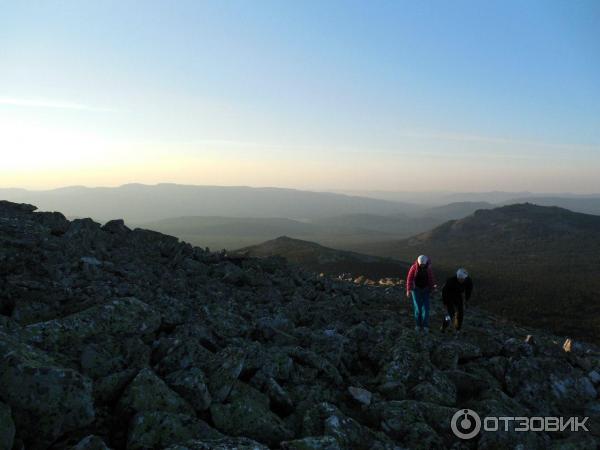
119 338
533 264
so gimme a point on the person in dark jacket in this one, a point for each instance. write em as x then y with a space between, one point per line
455 294
420 282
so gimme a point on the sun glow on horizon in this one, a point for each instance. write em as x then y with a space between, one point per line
357 96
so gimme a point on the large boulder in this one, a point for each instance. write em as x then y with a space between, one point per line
108 389
159 429
415 424
325 419
147 392
440 390
191 385
248 414
54 221
124 316
223 378
409 365
46 400
181 352
116 226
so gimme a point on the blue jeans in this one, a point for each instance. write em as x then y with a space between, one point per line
421 306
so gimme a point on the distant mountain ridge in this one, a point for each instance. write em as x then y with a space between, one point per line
139 203
330 261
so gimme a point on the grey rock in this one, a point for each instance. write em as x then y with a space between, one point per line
190 384
312 443
159 429
227 443
225 376
248 414
361 395
7 428
46 399
147 392
91 442
116 226
116 317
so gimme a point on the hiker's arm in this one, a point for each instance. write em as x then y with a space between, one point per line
468 288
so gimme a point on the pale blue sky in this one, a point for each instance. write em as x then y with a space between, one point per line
459 95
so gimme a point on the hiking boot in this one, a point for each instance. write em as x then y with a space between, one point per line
417 329
426 330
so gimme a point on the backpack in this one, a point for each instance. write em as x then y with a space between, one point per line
422 277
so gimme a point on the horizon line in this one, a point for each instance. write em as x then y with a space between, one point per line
327 190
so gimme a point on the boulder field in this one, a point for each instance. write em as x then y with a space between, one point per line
129 339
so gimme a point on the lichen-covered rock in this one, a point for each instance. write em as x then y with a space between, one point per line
312 359
228 443
190 384
159 429
279 398
448 353
7 428
108 389
327 420
225 376
312 443
90 442
116 317
147 392
407 420
445 355
561 388
248 414
409 366
179 353
46 400
440 390
397 418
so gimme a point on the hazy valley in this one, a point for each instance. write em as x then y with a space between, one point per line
532 264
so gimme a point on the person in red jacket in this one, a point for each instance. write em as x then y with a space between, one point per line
420 282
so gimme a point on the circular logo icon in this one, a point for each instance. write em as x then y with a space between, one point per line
466 424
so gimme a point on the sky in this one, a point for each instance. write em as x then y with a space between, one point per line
372 95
